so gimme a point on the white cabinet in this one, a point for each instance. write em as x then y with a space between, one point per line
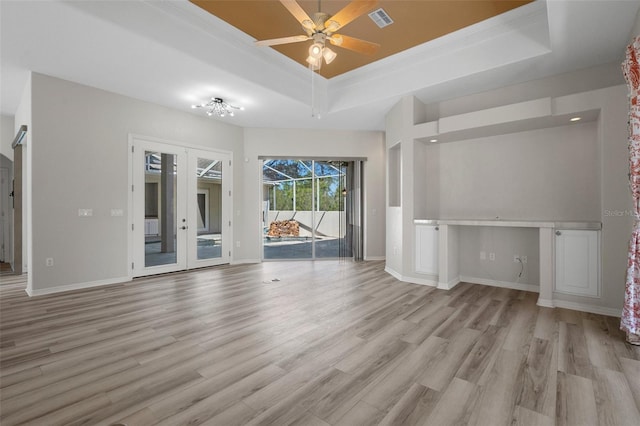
427 249
577 269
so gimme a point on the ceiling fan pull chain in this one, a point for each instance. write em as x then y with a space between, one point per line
314 111
313 93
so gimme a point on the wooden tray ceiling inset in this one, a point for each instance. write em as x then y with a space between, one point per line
415 22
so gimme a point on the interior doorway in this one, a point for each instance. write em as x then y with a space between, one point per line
6 220
311 209
181 208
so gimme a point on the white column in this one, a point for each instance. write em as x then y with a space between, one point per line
545 298
449 275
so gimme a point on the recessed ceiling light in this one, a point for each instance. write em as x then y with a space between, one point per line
575 119
433 140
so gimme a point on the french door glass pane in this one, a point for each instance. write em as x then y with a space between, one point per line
209 208
160 208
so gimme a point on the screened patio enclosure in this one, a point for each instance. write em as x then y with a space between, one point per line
307 212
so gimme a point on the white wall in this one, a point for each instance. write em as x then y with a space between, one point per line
504 242
6 136
547 174
635 31
80 160
617 221
291 143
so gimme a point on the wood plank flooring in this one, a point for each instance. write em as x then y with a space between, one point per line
303 343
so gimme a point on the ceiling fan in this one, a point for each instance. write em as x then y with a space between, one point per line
323 27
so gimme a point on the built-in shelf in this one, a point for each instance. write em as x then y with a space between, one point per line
518 117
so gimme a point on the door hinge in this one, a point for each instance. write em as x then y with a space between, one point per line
132 188
229 163
229 223
132 265
229 193
229 253
133 148
132 226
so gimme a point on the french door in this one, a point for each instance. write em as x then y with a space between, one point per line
181 202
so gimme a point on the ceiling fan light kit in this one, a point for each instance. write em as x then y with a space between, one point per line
328 55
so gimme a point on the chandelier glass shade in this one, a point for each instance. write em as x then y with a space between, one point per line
218 107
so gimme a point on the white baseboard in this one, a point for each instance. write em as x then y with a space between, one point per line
393 273
367 258
503 284
546 303
78 286
413 280
582 307
420 281
451 284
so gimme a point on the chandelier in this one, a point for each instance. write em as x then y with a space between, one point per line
217 106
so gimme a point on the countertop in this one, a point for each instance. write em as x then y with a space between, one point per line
513 223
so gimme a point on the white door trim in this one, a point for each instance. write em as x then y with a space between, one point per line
136 139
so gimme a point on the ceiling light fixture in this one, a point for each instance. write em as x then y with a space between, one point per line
575 119
318 50
217 106
321 27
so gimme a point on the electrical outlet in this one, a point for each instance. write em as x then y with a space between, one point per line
237 243
49 261
483 255
492 256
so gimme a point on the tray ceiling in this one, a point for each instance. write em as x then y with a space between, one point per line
415 22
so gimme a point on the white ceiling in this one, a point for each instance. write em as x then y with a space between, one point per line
175 54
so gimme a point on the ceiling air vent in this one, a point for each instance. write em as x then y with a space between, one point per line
381 18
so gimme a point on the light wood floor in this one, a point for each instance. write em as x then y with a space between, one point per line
304 343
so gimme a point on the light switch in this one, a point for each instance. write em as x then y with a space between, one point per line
85 212
117 212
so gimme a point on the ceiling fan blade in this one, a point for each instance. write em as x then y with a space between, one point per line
298 12
355 44
282 40
349 13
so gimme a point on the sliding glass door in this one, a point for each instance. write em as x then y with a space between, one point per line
304 209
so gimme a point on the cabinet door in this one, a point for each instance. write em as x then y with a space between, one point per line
578 262
427 249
